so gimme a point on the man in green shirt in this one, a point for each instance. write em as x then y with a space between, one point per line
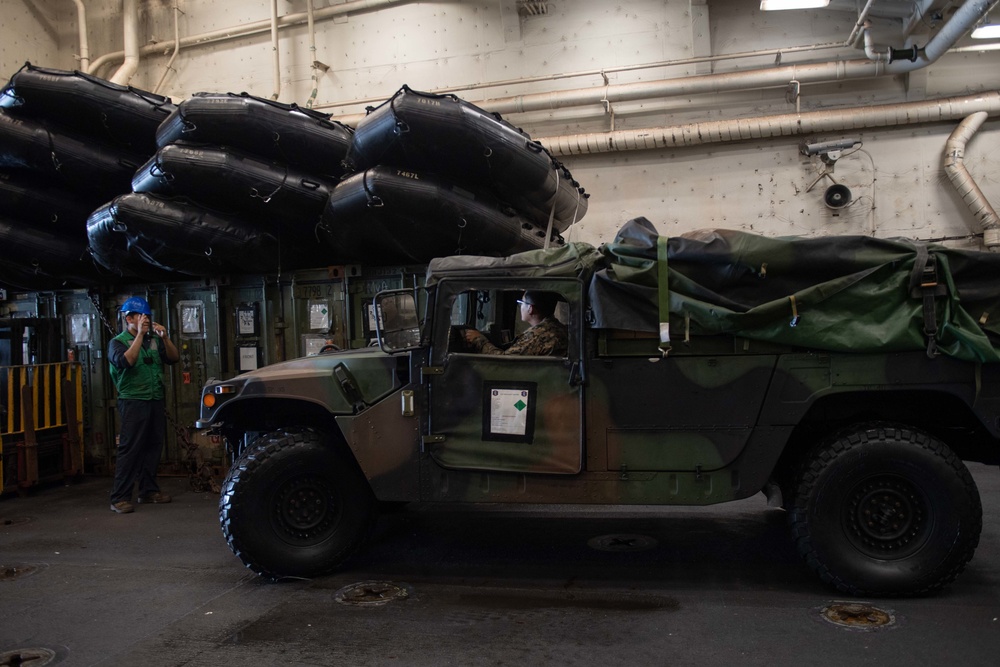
137 356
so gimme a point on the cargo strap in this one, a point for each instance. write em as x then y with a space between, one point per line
663 294
552 215
924 285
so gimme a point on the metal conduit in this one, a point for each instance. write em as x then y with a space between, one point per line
790 124
773 77
81 19
130 13
254 28
954 166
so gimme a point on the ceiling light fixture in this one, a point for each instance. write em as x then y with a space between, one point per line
777 5
986 30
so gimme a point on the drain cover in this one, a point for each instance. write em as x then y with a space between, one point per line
372 593
10 572
622 542
27 657
858 615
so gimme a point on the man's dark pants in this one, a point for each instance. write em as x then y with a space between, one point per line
140 443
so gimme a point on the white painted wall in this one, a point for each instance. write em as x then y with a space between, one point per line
897 179
36 32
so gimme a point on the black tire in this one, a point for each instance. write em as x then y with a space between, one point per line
295 505
884 510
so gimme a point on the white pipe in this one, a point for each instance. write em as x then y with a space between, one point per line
870 52
790 124
177 48
859 24
772 77
81 19
312 55
960 23
274 48
130 19
254 28
954 166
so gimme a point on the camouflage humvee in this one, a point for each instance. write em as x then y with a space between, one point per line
845 378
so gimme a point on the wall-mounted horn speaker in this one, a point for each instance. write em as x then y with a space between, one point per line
837 196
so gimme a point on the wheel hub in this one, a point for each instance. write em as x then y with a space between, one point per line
886 517
305 508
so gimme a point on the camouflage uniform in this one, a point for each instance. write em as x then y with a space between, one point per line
546 339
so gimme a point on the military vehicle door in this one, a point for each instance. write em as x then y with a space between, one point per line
504 412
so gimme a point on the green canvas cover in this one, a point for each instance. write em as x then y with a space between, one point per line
836 293
573 260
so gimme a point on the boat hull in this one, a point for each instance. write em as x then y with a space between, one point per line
95 171
302 138
446 135
136 231
389 214
235 182
119 115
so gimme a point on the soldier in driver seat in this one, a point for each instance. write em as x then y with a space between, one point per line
546 337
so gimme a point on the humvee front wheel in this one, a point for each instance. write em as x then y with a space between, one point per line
884 510
294 504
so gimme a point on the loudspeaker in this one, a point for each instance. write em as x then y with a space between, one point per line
837 196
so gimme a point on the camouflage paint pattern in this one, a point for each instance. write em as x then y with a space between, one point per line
614 421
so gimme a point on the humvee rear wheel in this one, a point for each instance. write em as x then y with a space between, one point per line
295 504
885 510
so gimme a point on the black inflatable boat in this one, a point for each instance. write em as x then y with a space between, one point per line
446 135
302 138
390 214
235 182
33 199
135 232
119 115
93 170
35 258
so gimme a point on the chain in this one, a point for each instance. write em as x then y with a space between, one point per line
95 299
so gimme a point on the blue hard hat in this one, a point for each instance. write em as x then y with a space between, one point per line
136 304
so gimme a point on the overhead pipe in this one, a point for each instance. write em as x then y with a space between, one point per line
773 77
603 72
859 24
779 125
318 68
255 28
177 49
954 166
274 48
130 14
81 19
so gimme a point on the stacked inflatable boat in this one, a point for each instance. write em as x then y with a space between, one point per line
237 184
68 142
96 173
435 176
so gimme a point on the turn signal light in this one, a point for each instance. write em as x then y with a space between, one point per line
208 400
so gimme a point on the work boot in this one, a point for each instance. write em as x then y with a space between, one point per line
154 498
122 507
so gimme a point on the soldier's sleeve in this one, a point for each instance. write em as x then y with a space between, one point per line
484 346
527 344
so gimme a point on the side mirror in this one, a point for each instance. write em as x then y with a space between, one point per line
396 323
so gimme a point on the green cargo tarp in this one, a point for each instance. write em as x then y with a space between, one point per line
838 293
